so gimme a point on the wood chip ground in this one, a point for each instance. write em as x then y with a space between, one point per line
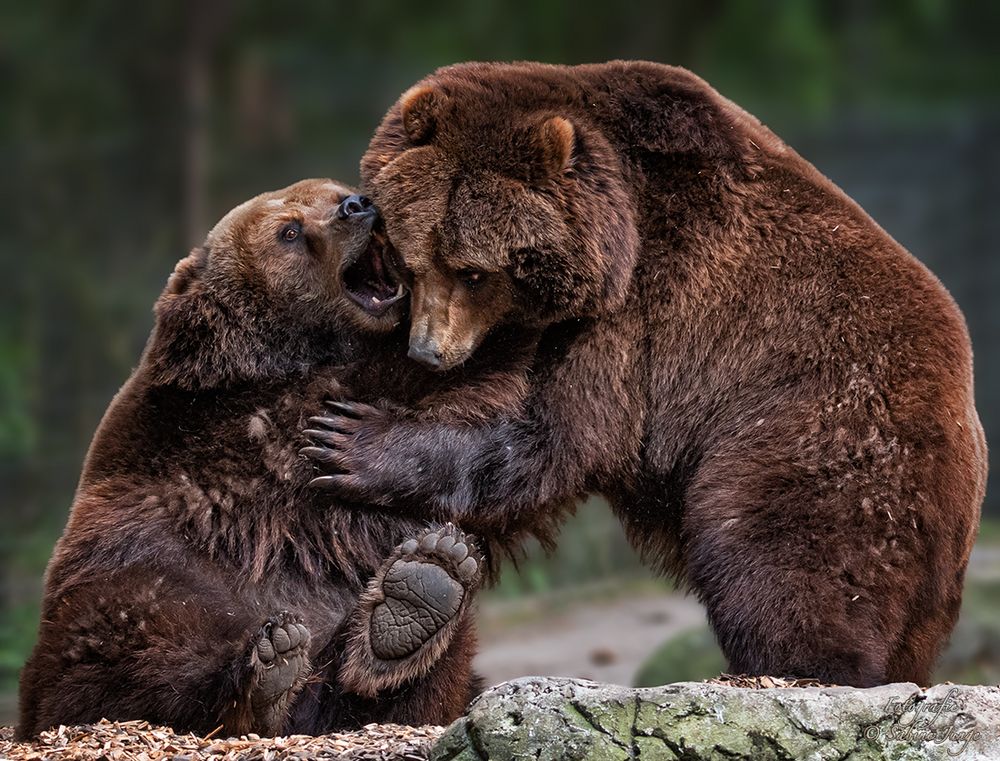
139 741
763 682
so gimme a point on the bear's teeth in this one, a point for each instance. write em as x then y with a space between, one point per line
375 300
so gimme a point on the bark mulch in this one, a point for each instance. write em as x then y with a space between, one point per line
763 682
140 741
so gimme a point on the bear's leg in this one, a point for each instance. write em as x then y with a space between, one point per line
776 622
170 646
412 609
442 694
438 696
837 563
915 653
772 618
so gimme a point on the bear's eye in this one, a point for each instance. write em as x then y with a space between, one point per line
471 277
291 232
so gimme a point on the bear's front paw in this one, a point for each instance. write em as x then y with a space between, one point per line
279 663
408 615
347 447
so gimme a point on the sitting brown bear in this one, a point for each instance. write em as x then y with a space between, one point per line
775 397
199 581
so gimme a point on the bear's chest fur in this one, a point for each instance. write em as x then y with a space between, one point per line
217 475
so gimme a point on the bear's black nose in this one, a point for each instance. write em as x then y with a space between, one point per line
426 353
354 204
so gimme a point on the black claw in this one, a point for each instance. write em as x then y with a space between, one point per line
338 424
318 454
325 482
322 421
346 408
322 437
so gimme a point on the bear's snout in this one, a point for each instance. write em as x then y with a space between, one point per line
426 352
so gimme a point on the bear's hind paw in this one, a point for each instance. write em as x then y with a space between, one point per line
407 617
279 663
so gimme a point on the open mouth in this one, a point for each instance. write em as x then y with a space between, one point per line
371 281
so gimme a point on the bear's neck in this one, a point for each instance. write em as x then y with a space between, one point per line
211 344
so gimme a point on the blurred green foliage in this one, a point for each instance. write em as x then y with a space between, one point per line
973 654
691 656
128 127
593 547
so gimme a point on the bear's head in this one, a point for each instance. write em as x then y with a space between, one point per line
276 286
504 206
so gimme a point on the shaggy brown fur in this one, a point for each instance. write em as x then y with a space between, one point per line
199 580
774 395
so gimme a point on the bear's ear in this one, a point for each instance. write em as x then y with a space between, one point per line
419 108
556 140
187 271
184 346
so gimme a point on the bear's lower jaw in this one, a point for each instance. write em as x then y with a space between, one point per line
373 302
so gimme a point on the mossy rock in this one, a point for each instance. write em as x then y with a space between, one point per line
556 719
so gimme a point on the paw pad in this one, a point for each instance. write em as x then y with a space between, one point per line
423 589
280 659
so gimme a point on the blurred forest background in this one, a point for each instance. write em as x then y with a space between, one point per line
127 128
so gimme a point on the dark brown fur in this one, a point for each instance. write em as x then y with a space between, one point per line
773 394
193 522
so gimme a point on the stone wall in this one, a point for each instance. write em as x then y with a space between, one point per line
552 719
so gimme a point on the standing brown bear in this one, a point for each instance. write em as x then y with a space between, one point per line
775 396
200 581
